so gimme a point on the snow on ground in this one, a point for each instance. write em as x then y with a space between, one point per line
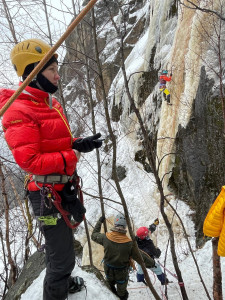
96 290
138 188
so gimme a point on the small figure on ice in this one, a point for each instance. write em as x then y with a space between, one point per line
162 85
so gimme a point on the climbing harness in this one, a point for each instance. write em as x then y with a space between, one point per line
54 198
50 197
52 179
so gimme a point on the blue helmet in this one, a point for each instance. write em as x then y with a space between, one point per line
164 72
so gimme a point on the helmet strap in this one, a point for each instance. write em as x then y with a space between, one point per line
38 85
50 95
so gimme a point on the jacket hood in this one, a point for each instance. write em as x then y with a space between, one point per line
27 94
118 237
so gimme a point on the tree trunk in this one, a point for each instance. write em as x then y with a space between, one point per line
114 173
13 267
89 242
10 21
217 275
151 158
97 150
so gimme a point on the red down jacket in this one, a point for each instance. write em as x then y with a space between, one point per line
39 137
162 81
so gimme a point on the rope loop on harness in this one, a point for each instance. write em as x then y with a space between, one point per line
57 201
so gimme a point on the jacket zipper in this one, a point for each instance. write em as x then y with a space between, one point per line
67 126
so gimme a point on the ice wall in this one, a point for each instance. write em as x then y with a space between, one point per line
185 65
181 43
193 39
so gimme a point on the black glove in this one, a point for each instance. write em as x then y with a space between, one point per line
152 227
158 253
87 144
102 219
171 74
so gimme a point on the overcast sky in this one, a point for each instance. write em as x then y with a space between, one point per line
29 21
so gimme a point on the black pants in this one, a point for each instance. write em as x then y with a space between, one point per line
60 255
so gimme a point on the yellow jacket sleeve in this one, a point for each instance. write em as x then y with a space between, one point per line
214 225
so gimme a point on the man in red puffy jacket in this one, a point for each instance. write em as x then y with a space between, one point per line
39 136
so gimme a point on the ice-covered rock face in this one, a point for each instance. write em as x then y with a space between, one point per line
159 35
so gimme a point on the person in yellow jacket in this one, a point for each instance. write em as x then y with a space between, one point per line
214 225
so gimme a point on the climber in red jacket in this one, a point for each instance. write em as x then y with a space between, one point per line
162 84
39 136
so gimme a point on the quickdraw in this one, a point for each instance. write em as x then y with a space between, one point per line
50 196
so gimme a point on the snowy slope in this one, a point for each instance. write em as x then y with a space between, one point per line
95 289
138 186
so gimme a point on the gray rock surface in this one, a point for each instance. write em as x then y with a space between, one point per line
34 266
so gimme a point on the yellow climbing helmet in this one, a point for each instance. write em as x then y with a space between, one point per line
28 52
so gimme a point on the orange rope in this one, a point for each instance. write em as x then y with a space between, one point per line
140 287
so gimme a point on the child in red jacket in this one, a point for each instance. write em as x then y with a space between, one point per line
146 244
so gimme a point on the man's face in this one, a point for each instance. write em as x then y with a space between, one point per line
51 73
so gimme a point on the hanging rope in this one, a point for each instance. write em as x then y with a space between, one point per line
174 275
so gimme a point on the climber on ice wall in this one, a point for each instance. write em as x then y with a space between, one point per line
162 84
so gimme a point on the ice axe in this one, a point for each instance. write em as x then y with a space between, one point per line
48 55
